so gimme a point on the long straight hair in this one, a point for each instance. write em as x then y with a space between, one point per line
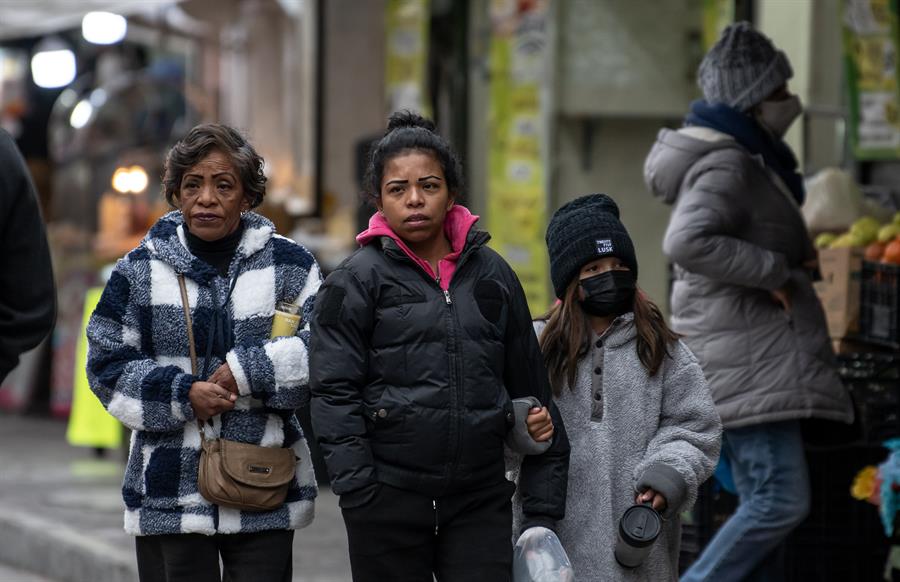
566 338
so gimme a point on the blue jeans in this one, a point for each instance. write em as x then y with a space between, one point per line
770 474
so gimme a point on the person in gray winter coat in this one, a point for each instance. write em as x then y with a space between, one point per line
641 423
742 295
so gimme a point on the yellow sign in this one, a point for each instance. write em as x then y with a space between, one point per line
406 29
517 200
89 423
870 48
717 14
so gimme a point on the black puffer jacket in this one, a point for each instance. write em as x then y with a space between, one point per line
411 385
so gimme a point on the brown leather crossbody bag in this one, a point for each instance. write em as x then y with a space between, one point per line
234 474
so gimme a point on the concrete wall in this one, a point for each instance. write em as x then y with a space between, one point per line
266 61
626 58
810 34
825 141
267 90
479 99
598 146
602 153
614 165
631 80
353 101
788 25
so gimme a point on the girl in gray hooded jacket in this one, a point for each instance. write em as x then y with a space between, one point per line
642 426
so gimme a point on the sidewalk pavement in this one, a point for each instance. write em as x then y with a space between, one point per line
61 512
8 574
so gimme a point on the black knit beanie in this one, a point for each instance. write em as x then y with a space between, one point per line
583 230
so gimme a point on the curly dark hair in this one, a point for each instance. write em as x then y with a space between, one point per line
198 143
409 131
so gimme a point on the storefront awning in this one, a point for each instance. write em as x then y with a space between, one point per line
23 18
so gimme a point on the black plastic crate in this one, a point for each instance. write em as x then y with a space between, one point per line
842 540
879 304
873 380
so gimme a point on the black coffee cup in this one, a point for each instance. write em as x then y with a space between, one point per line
638 529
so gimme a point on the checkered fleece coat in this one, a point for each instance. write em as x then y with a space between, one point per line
139 367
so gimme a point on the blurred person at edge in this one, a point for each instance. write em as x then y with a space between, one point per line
742 295
419 341
27 293
641 423
236 268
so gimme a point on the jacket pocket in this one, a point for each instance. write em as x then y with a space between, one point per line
386 421
492 300
399 302
395 297
397 315
382 416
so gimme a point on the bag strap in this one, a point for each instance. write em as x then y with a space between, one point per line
190 332
190 326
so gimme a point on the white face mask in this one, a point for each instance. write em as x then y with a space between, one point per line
779 115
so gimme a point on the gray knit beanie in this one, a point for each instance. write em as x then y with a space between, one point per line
581 231
742 68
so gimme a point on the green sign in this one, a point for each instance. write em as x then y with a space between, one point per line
870 52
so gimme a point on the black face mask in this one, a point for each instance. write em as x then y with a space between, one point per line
609 293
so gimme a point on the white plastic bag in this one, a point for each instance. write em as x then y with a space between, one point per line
539 557
833 201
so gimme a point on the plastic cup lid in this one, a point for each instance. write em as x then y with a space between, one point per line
640 525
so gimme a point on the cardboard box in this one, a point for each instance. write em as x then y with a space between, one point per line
839 290
849 346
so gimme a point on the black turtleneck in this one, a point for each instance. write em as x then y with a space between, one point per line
217 253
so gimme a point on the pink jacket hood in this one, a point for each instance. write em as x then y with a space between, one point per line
457 224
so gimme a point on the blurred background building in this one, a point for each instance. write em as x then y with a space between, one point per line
545 100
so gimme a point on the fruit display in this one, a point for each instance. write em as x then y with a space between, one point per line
875 251
880 241
892 252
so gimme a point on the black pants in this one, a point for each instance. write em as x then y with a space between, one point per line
403 536
248 557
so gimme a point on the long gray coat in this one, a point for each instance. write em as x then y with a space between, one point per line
735 235
661 432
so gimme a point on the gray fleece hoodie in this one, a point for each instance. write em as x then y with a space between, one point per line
661 432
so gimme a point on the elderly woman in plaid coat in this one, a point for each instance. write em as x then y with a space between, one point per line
247 386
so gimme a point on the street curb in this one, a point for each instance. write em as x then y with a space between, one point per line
59 552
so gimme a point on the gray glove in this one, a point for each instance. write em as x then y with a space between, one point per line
518 439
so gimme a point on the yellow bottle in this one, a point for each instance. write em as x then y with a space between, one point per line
286 319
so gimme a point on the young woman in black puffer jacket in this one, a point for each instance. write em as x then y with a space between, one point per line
420 340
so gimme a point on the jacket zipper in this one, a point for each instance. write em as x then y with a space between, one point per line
455 420
455 413
455 373
434 505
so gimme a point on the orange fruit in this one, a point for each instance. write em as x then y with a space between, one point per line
892 252
875 251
